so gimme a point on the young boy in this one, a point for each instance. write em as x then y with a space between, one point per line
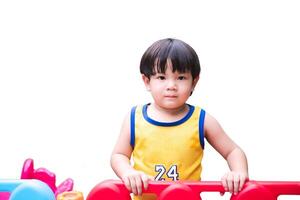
166 138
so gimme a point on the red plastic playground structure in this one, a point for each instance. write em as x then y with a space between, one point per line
40 184
253 190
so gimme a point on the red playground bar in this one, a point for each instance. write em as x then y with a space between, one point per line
253 190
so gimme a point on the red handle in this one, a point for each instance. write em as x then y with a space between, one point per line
253 190
281 187
203 186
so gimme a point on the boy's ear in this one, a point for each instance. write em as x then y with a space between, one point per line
195 81
146 81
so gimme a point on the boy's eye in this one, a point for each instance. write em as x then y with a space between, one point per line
161 77
181 78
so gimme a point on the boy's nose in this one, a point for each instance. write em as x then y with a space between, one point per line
171 85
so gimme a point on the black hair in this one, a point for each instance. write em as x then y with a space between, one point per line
182 56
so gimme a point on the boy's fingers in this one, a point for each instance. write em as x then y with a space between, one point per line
224 183
233 182
127 183
229 183
138 183
133 185
242 182
236 184
145 180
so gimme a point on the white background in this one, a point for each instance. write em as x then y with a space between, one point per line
69 73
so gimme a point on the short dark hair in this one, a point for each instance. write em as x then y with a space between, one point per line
182 56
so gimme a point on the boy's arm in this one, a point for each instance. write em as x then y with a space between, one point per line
234 155
120 158
120 161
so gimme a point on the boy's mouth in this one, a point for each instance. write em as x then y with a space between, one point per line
170 96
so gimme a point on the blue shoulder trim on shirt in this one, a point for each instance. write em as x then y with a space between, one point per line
201 127
157 123
132 127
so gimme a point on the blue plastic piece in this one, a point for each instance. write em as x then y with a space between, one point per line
26 190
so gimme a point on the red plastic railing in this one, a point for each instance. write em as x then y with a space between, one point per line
252 190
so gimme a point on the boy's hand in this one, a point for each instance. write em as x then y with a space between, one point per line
135 180
233 181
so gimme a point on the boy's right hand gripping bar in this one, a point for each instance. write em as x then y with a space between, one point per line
252 190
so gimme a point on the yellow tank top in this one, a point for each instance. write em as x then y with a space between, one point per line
168 151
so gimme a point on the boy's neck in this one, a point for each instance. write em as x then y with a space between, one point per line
162 114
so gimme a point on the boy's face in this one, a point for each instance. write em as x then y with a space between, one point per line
170 90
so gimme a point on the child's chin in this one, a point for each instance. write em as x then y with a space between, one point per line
172 105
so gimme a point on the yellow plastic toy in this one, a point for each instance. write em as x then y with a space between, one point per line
71 195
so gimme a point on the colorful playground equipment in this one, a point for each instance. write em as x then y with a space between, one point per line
25 189
46 176
72 195
39 184
253 190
